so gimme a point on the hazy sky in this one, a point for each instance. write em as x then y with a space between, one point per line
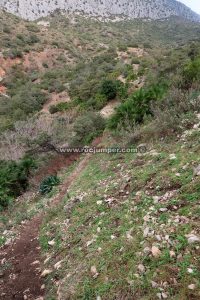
193 4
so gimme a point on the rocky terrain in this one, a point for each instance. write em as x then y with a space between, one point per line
131 9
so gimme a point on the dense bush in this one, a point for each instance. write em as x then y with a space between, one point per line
28 100
87 78
25 99
97 102
191 73
48 183
23 40
14 53
6 29
136 107
87 127
62 106
13 179
171 116
109 89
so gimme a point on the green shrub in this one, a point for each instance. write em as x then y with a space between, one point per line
15 53
98 102
14 179
48 183
56 87
87 127
32 39
62 106
122 47
27 101
32 28
191 72
136 107
109 89
6 29
135 61
129 73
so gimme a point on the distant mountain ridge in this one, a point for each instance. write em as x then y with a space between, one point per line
130 9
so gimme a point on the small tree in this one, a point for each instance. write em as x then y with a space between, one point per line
109 89
87 127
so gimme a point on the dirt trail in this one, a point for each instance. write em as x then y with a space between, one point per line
21 261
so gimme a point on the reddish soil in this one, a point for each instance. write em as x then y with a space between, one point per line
21 279
54 166
55 99
2 89
36 60
7 63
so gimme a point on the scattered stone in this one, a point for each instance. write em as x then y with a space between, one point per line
155 251
185 166
43 287
192 238
146 232
58 265
190 271
147 250
99 202
94 271
3 261
51 243
196 126
172 254
158 237
164 296
159 295
46 272
146 218
98 229
172 156
154 284
163 209
141 268
46 260
139 193
89 243
129 236
191 286
156 199
197 171
35 263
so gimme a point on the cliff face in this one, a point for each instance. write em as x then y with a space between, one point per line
154 9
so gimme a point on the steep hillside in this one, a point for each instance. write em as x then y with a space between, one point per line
128 228
153 9
99 159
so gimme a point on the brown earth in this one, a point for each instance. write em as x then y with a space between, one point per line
56 99
22 279
38 60
21 260
2 89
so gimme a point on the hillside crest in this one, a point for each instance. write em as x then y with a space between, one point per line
130 9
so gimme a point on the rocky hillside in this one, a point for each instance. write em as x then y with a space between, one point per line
121 220
153 9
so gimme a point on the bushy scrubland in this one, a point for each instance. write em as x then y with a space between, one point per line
169 92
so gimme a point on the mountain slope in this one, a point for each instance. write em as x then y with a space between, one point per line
154 9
